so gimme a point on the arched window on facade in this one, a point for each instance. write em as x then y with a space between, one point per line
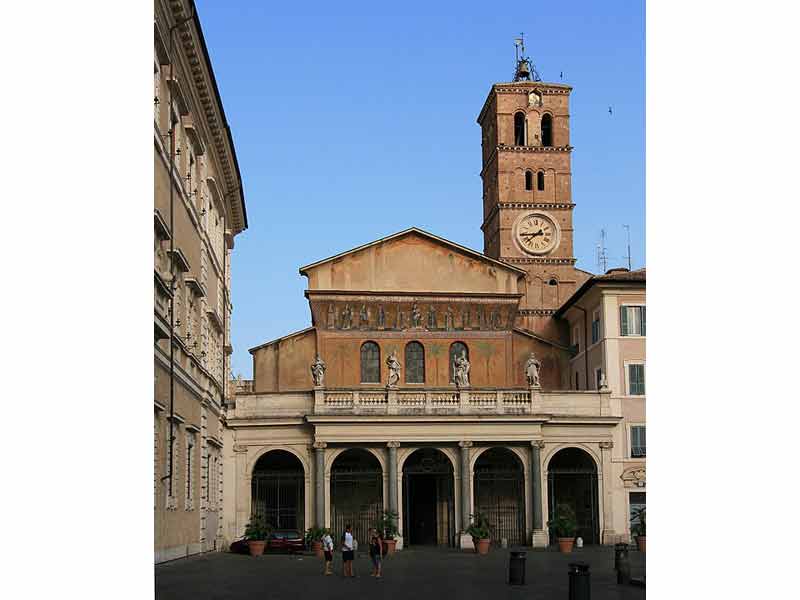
456 348
528 181
547 130
415 363
519 129
370 363
540 181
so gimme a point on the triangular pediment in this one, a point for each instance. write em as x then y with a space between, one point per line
413 261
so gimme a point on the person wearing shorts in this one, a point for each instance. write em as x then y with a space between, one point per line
327 547
375 552
348 551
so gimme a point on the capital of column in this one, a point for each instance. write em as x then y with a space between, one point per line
239 448
465 444
392 444
607 445
319 445
538 444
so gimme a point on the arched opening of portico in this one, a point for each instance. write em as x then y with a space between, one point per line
572 481
278 490
500 494
356 493
428 499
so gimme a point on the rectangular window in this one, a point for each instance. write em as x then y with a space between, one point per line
636 380
637 501
190 444
632 320
598 373
596 327
638 441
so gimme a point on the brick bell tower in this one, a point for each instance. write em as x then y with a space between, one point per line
527 191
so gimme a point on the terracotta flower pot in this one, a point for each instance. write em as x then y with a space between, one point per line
390 546
256 547
640 542
483 546
565 544
316 547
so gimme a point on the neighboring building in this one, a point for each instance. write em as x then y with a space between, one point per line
199 208
396 421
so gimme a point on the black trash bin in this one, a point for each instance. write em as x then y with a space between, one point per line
579 586
619 551
516 567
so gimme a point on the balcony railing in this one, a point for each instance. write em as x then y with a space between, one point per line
435 401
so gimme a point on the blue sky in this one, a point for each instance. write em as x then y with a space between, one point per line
353 121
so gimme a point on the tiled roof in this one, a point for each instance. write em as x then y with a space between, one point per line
618 275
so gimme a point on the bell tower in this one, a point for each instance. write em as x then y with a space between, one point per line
527 189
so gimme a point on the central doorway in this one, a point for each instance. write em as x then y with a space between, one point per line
428 503
356 493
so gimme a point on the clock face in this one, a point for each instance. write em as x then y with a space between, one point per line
537 233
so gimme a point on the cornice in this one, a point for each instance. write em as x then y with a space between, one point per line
190 39
525 205
533 149
540 261
524 87
405 297
536 312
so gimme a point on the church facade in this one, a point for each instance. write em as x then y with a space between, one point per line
438 382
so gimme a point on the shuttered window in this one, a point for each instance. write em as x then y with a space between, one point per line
638 442
370 363
632 320
415 363
636 380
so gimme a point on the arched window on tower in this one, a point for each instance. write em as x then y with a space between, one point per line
519 129
415 363
456 348
540 181
528 181
370 363
547 130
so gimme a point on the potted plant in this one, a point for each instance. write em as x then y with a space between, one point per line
639 529
256 534
388 525
479 530
314 537
565 525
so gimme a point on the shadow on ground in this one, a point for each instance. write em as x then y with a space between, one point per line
413 574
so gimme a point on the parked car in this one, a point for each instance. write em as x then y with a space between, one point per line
286 540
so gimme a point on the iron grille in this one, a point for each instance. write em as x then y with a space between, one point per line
278 498
500 497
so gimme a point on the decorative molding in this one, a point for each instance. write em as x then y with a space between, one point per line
392 444
538 444
534 149
607 445
319 445
536 312
465 444
239 448
540 260
634 477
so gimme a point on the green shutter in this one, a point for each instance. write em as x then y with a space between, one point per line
643 321
623 317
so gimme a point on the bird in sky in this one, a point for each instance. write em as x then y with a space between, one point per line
561 75
610 111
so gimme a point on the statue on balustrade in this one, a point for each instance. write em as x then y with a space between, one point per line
318 372
532 368
461 370
394 369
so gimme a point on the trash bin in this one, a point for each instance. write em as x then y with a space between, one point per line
516 567
579 586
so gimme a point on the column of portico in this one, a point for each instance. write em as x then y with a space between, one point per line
466 494
539 538
393 499
319 483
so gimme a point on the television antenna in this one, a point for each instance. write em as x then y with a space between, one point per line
602 255
628 231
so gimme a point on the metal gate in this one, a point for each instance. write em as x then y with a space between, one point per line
500 497
357 500
572 480
278 498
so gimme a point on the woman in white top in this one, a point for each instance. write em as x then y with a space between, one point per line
348 545
327 547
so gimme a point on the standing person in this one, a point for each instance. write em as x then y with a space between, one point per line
327 546
375 552
347 551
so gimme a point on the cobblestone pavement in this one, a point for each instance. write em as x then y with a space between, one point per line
412 574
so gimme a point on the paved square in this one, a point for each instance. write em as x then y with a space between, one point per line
416 574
